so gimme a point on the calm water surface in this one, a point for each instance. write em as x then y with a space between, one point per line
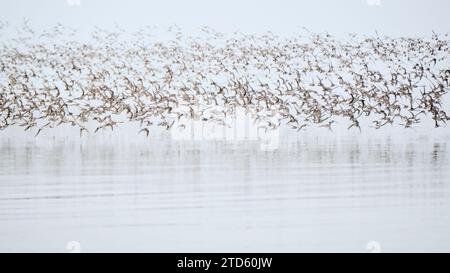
309 194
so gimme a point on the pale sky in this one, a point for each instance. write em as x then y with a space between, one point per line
392 17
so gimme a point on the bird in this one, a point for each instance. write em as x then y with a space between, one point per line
145 130
294 82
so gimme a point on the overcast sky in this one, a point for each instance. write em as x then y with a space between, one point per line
393 17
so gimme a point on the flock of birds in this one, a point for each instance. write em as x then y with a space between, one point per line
50 78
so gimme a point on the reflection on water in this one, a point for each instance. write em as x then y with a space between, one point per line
309 195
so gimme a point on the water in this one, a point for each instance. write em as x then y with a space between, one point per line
311 194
